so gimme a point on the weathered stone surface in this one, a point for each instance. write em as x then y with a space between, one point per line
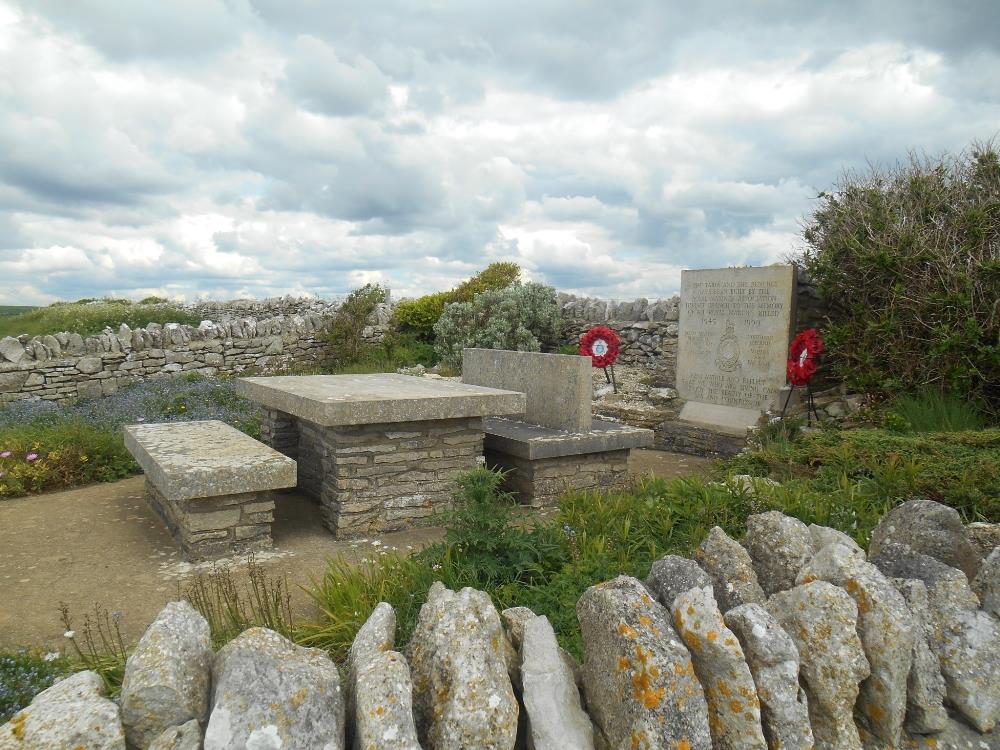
187 736
551 699
984 537
728 564
719 663
558 388
774 664
885 627
514 619
13 381
779 546
73 713
672 575
89 365
948 589
925 688
986 584
167 676
931 529
824 535
639 680
970 664
383 705
330 400
459 657
533 442
269 693
188 460
821 620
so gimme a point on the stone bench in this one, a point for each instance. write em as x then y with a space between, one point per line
211 484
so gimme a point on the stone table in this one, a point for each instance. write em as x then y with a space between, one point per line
378 451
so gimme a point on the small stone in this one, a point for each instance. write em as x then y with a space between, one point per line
734 581
514 619
72 713
383 704
928 528
986 584
925 689
269 693
779 546
459 657
11 349
824 535
983 536
719 663
885 627
89 365
555 717
774 664
187 736
672 575
639 680
167 676
821 620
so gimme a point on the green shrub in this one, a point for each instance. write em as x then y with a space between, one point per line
906 259
932 411
88 317
41 457
344 338
418 316
24 674
522 317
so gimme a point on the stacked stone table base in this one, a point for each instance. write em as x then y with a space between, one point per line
209 527
540 482
376 478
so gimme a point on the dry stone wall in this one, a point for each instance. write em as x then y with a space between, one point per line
794 638
68 365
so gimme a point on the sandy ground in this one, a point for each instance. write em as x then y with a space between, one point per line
102 545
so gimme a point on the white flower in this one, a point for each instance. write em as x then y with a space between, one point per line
69 634
51 656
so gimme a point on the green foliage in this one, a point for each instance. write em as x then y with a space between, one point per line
521 317
418 316
7 311
932 411
575 349
229 608
395 351
907 259
88 317
98 645
46 457
24 674
344 338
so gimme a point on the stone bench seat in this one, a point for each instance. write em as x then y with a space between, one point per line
544 462
211 484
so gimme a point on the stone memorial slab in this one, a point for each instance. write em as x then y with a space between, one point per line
735 325
558 387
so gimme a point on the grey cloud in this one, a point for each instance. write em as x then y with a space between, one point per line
324 83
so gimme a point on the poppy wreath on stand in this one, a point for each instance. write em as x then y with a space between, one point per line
601 344
803 357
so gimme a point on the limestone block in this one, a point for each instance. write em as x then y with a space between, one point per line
187 736
269 693
986 584
89 389
89 365
820 618
779 546
733 707
639 680
925 688
728 564
774 663
167 676
459 657
824 535
11 349
672 575
73 713
11 382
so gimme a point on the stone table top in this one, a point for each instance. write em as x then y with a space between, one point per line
533 441
186 460
331 400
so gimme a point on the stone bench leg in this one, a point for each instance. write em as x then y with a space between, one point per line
209 527
280 431
540 482
385 477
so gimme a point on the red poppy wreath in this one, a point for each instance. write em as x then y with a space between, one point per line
601 344
803 357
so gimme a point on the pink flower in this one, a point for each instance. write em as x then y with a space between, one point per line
31 457
5 454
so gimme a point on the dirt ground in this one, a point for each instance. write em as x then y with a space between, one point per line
103 545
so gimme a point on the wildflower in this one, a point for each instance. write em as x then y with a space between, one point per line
5 454
71 634
31 457
51 656
436 567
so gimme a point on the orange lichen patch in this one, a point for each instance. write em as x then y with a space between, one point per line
623 664
735 706
628 631
646 599
17 725
682 744
299 698
645 621
808 578
642 681
859 594
711 635
731 642
724 689
692 640
690 609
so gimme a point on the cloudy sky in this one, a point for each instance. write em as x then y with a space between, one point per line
228 148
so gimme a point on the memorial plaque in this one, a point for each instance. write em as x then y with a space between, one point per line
735 325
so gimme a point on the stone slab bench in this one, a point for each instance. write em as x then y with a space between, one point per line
544 462
211 484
